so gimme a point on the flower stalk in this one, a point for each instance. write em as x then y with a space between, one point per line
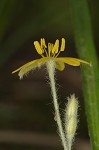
51 73
68 132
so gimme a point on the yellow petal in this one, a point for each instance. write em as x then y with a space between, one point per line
71 61
60 66
30 66
29 63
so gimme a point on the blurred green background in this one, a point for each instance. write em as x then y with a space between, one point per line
26 108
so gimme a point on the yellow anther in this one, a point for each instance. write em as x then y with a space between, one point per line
41 41
43 45
50 47
38 47
62 45
55 47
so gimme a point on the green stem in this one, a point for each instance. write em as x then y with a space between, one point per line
86 51
51 72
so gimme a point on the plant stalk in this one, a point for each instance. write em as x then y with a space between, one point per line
51 73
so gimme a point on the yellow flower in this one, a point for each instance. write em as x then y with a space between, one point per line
50 55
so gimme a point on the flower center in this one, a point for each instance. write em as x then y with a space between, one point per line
53 49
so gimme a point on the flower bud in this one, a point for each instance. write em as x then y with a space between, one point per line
72 107
71 119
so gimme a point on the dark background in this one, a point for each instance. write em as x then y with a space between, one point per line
26 108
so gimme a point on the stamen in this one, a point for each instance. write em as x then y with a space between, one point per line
55 47
57 54
62 45
50 47
41 41
62 48
43 44
46 52
38 47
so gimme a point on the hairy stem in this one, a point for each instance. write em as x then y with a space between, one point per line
51 72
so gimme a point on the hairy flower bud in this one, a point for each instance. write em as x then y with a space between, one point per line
71 119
